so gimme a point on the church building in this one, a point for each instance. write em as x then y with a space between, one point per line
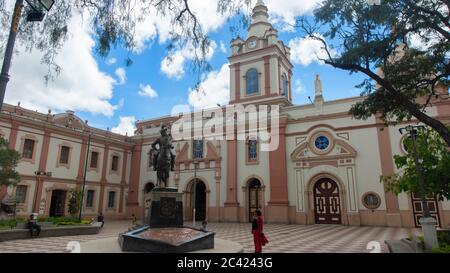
325 170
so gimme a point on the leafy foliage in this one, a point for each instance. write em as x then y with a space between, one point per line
63 221
376 40
434 158
8 223
74 201
8 161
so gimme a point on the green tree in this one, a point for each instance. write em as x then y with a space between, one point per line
74 202
376 40
8 162
434 157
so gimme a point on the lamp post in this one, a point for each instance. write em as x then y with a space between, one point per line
39 180
427 222
35 15
84 176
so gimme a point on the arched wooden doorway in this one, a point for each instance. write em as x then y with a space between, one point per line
327 202
255 198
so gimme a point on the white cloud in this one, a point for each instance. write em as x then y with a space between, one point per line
122 75
207 14
416 41
146 29
126 126
80 86
286 11
213 90
304 51
147 91
111 61
223 48
299 88
154 23
173 65
121 103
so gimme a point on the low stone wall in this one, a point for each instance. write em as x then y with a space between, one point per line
20 233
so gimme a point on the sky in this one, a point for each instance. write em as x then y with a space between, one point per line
110 95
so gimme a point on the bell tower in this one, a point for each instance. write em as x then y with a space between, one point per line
260 67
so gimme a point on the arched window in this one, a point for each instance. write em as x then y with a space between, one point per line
284 82
252 86
198 149
252 150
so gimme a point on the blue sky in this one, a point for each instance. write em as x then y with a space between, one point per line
146 69
92 86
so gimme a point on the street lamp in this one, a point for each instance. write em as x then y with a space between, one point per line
427 222
84 176
39 180
35 15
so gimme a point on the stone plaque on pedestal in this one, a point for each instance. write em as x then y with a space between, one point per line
166 209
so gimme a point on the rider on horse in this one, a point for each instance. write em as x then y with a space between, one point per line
164 134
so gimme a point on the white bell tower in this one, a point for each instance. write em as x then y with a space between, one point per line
260 67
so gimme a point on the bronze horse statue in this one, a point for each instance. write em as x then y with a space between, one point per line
164 159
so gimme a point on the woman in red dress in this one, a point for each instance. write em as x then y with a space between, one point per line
257 229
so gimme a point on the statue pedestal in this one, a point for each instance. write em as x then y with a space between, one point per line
166 208
165 232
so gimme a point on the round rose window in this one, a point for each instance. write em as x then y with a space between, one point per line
322 143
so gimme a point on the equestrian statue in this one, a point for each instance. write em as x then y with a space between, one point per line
163 158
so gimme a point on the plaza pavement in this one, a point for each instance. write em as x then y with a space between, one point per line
282 238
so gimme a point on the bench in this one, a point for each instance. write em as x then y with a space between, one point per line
49 231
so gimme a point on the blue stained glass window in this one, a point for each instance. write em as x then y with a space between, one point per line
252 86
252 150
285 85
322 143
198 149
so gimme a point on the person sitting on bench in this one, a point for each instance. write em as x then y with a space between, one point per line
32 225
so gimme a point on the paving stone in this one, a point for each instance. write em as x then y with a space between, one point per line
282 238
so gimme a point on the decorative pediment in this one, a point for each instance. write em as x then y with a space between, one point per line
183 155
300 152
341 150
69 120
300 140
211 150
345 148
345 136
